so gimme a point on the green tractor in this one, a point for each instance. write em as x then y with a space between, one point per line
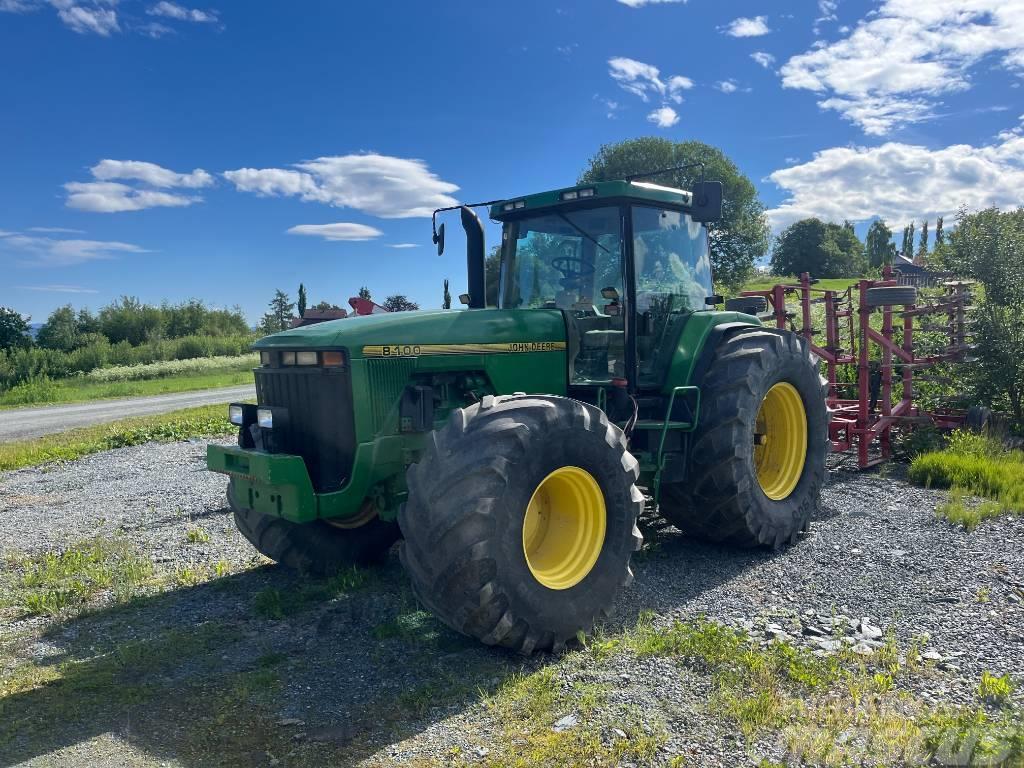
506 445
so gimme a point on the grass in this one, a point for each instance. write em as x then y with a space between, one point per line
836 709
275 604
205 421
769 281
81 389
973 465
51 583
197 535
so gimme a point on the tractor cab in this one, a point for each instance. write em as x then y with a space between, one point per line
626 262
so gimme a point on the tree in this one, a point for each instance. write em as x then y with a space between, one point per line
879 249
492 276
907 248
742 234
60 331
447 301
14 331
280 315
364 293
128 319
824 250
922 245
302 300
987 246
940 236
325 305
399 303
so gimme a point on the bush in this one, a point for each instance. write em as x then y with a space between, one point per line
22 365
166 368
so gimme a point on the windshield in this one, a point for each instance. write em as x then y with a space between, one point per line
561 260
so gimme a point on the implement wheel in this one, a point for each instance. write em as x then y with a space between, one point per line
521 520
316 547
757 460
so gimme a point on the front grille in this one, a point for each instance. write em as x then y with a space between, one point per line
320 425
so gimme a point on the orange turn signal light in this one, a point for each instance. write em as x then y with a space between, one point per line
332 359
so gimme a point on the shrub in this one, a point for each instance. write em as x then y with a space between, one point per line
165 368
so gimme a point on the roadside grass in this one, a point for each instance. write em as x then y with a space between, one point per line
973 465
768 281
205 421
81 389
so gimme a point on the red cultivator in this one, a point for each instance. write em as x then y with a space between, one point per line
865 362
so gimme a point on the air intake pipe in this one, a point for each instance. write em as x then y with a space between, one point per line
474 257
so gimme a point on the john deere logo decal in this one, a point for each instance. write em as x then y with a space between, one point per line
417 350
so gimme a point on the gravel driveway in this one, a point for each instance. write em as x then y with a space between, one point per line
353 684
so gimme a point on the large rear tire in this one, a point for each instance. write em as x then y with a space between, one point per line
757 459
521 520
316 547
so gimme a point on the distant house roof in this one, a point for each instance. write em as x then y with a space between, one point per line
312 316
907 266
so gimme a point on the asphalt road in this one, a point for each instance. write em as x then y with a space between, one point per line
21 423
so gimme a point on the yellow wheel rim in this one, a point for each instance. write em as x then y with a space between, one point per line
563 530
780 441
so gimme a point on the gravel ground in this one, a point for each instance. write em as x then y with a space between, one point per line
354 683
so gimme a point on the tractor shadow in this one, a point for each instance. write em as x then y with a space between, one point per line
266 665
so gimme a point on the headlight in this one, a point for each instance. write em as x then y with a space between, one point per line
287 358
265 357
236 415
305 358
265 418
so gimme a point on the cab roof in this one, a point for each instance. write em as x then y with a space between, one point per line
637 190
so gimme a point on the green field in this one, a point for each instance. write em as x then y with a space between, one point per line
765 282
133 381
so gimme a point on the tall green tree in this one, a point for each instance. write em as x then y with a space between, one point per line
492 276
922 244
822 249
988 246
302 300
60 331
740 237
399 303
940 236
14 330
447 300
128 319
364 293
879 249
280 315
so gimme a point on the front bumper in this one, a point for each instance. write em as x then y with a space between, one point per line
275 484
278 484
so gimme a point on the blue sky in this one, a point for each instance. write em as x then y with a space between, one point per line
171 150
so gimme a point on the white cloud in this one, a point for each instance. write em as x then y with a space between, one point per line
388 187
339 231
643 80
111 197
746 27
57 230
762 58
665 117
150 173
58 288
403 245
17 6
48 251
892 68
107 196
85 19
902 182
827 9
642 3
727 86
174 11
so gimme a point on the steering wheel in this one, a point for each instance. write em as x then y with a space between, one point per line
573 269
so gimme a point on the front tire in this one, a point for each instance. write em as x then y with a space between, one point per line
757 459
521 520
317 547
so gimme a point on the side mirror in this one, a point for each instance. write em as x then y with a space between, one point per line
464 299
439 239
707 201
714 300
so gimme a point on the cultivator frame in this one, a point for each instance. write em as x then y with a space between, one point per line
862 422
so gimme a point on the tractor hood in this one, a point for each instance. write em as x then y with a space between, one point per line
398 333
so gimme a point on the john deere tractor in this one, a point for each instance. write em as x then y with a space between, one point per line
507 445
